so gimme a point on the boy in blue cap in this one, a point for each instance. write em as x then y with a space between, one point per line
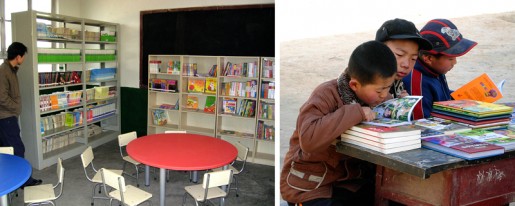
428 77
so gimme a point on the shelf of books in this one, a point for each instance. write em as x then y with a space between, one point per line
69 84
219 101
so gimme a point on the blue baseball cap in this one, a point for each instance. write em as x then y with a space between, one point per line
446 38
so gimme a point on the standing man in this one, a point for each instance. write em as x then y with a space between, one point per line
10 103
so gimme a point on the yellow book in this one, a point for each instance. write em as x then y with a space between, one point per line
210 86
481 88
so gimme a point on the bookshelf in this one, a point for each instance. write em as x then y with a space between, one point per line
69 83
218 96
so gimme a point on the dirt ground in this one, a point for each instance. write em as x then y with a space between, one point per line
306 63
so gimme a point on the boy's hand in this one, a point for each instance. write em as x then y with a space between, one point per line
369 114
403 94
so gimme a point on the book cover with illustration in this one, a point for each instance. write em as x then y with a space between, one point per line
498 137
196 85
160 117
482 88
462 147
442 125
210 86
210 106
229 106
192 102
472 107
395 112
386 132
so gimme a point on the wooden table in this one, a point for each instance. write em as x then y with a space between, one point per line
14 172
190 152
427 177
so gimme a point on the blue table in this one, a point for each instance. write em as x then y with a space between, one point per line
14 171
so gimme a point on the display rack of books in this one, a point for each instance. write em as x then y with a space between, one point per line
217 96
265 130
164 78
69 84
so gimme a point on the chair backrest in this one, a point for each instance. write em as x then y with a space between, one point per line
243 153
87 157
124 139
217 179
7 150
175 132
113 180
60 176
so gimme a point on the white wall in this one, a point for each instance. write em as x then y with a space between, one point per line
127 14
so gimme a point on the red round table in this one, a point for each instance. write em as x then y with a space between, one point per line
181 152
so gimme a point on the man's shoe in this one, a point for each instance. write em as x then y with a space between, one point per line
34 182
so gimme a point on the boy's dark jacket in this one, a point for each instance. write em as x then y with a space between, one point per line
322 119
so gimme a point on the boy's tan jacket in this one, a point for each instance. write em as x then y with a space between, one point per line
312 165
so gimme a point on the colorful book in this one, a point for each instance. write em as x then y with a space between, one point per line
482 88
442 125
196 85
498 138
386 132
210 106
462 147
472 107
192 102
171 85
395 112
229 106
210 85
160 117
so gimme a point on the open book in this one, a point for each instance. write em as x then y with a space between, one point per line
482 88
395 112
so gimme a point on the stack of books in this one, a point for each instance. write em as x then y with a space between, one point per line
385 140
503 138
474 114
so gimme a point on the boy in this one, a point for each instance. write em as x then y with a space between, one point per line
312 166
403 38
428 77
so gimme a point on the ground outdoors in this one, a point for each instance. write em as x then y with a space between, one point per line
308 62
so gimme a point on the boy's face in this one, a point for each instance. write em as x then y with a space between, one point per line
406 53
441 64
374 93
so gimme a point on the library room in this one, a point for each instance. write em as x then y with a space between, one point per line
137 102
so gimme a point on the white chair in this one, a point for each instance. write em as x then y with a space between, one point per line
210 187
87 160
123 141
243 153
125 194
9 150
45 194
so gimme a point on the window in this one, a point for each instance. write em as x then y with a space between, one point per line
12 6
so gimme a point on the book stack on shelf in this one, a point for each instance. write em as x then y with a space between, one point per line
474 114
240 89
265 130
462 147
49 79
166 85
385 140
245 69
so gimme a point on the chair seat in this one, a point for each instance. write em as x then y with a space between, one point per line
98 177
197 192
39 193
132 195
129 159
234 170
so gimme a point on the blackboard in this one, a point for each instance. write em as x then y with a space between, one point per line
212 31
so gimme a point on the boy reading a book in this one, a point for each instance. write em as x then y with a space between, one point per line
314 173
405 41
428 77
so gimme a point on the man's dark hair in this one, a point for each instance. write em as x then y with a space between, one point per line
370 60
15 49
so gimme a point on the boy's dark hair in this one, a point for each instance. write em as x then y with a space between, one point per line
370 60
421 54
15 49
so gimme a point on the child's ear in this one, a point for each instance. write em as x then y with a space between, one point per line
427 59
354 84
